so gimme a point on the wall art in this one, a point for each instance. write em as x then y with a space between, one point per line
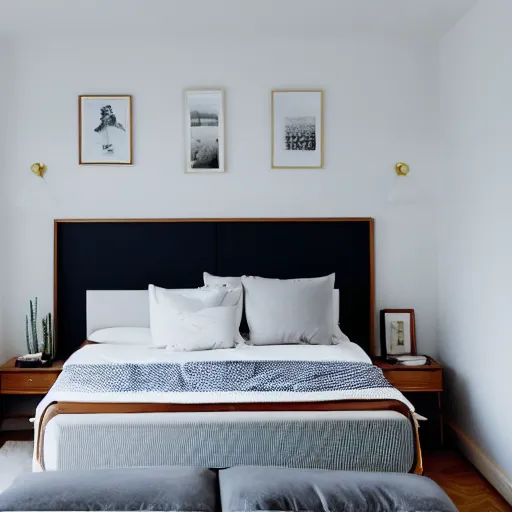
204 131
105 130
297 129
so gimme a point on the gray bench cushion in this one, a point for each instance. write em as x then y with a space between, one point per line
253 488
177 489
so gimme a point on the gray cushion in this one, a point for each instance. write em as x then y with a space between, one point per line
181 488
271 489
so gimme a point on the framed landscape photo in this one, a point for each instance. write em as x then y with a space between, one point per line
297 129
398 335
204 131
105 130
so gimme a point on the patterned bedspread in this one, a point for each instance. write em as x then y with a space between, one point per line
221 376
123 374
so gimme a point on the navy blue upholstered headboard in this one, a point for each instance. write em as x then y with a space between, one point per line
174 253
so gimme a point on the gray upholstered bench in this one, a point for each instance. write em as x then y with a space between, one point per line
231 490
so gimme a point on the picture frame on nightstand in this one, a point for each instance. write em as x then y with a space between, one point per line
397 332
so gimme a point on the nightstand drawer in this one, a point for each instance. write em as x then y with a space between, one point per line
414 380
26 383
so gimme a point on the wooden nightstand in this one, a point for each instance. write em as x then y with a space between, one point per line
416 379
26 383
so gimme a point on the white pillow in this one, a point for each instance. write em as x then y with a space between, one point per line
187 320
122 336
338 334
289 311
234 282
211 280
207 296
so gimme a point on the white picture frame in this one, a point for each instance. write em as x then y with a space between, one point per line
105 130
204 131
297 129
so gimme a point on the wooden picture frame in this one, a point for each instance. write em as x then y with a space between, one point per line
397 332
297 128
105 128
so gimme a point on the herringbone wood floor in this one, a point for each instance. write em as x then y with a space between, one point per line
463 483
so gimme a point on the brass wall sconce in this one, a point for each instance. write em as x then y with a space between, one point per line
402 169
38 169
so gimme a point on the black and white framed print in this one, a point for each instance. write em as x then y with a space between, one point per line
204 131
398 332
297 129
105 130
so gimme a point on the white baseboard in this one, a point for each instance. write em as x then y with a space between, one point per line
491 471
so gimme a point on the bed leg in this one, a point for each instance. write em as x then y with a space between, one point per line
418 467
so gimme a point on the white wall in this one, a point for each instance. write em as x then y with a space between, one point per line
4 91
373 119
475 247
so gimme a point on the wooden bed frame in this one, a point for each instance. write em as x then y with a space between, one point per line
357 285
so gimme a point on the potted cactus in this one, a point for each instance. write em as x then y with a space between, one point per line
40 342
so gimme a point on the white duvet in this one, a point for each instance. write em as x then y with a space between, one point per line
108 353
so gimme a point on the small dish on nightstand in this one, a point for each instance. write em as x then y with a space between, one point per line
33 361
408 360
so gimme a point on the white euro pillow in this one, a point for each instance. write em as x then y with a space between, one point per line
211 280
288 311
189 320
338 334
122 336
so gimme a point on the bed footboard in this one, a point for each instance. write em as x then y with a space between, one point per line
355 435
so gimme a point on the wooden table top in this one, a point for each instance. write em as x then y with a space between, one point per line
431 365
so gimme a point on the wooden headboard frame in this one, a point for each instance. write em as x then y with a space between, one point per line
368 221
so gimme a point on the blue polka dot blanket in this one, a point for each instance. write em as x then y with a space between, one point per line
130 374
220 376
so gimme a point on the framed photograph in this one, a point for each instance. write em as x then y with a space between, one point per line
105 130
297 129
398 336
204 131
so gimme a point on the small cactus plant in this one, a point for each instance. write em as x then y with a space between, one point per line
31 334
48 335
34 344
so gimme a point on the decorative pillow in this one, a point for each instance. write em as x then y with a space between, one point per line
207 295
122 336
289 311
234 282
188 320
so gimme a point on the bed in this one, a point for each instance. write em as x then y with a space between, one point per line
85 423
